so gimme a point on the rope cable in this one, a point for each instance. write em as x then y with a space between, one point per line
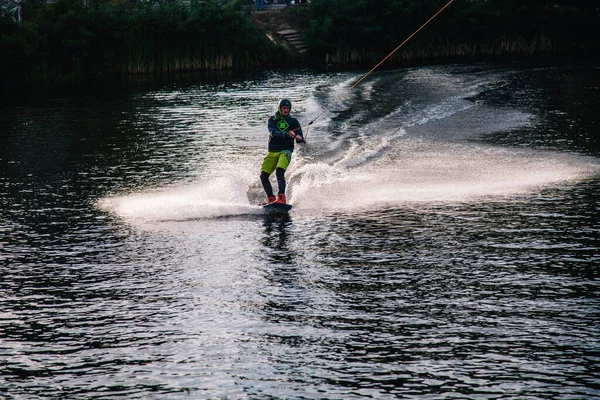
374 68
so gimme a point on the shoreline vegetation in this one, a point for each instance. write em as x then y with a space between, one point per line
74 41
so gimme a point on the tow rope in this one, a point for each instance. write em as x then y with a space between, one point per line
373 69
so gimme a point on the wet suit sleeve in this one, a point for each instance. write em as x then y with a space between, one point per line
298 130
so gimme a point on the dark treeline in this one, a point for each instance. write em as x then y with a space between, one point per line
363 31
75 40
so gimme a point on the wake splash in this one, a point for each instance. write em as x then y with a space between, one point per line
406 172
413 171
416 152
220 198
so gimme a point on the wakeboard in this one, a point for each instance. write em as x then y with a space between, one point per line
277 207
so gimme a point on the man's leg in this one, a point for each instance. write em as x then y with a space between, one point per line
264 179
283 162
268 166
280 173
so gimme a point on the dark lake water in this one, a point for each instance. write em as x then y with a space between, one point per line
444 241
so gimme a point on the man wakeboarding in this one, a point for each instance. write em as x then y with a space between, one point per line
284 132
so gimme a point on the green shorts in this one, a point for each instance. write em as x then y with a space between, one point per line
276 159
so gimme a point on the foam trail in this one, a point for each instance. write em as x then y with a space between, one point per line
418 172
415 152
403 172
360 154
219 198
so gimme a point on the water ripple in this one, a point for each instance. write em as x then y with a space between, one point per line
442 244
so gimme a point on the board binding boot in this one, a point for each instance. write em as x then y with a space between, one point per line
270 199
281 199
